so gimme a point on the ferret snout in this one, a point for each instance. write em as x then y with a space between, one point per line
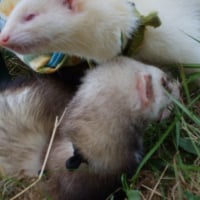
5 39
163 86
172 87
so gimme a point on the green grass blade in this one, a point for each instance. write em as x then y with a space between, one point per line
152 151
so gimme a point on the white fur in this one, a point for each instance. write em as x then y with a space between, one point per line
93 32
93 29
170 42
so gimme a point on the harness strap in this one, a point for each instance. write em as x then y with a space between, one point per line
134 43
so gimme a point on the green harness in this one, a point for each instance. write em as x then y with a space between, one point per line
135 42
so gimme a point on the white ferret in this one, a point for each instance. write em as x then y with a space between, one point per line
105 131
93 29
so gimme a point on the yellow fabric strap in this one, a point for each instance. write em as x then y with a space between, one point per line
135 42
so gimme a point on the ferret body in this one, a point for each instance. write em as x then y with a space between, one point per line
93 29
172 42
104 121
28 112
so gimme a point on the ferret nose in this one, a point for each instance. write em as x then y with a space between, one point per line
4 40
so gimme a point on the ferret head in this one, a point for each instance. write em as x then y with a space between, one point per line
153 89
35 24
86 28
106 118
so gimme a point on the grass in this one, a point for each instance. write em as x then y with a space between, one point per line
11 186
15 66
170 169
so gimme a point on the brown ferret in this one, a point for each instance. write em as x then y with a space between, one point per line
105 122
100 137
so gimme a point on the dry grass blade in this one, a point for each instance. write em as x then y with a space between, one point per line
158 182
56 125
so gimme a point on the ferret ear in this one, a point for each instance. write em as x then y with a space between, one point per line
145 89
68 3
72 5
75 161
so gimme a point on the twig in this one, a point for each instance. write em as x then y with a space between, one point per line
56 125
155 187
150 189
174 189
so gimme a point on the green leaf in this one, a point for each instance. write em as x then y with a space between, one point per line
188 146
133 194
124 181
191 115
190 196
152 151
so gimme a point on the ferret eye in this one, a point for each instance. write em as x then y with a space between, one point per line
29 17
